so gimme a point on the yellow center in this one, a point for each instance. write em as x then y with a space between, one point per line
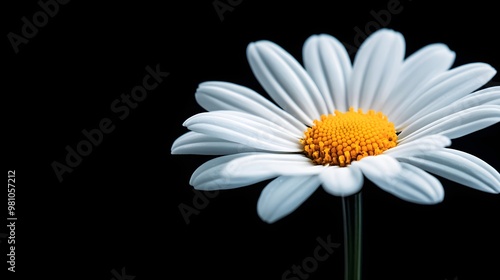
340 138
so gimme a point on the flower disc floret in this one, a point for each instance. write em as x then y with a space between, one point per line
343 137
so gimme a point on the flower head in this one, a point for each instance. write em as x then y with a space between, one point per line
334 123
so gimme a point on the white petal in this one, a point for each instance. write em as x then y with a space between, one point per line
414 185
443 90
376 69
342 181
489 96
234 171
418 69
419 146
459 167
329 65
495 176
285 194
245 129
379 169
200 144
286 81
460 123
227 96
210 172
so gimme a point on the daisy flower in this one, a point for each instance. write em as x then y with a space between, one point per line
333 123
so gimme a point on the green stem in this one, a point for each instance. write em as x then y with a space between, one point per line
352 215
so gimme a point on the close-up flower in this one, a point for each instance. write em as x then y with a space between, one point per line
385 117
234 139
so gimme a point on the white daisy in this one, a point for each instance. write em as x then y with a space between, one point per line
384 117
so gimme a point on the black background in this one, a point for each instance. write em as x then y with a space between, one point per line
119 208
